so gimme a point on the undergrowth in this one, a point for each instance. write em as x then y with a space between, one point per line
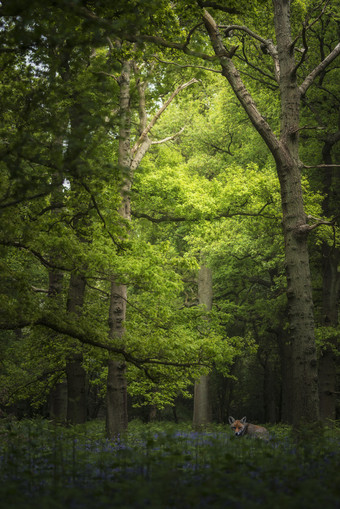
163 465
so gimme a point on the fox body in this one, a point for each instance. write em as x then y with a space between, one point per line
242 427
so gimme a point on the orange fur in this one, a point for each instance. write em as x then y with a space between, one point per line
242 427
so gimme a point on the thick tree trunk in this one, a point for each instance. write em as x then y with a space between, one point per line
331 287
328 356
75 373
295 229
285 153
299 296
202 399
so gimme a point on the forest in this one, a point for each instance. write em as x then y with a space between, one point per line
169 239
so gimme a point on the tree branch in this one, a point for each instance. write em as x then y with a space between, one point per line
165 218
159 113
46 263
318 69
101 216
91 338
307 27
169 138
267 45
322 166
230 72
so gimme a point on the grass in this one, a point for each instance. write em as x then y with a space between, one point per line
165 466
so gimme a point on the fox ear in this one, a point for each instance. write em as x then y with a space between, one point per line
243 420
231 420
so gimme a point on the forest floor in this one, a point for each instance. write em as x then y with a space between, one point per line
163 465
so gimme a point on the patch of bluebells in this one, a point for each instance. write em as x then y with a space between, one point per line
171 468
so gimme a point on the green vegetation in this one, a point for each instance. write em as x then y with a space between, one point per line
165 466
143 142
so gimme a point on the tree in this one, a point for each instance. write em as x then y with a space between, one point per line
285 151
129 158
202 399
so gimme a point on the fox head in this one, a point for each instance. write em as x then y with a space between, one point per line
238 427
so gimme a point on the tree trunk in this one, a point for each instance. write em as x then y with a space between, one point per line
269 393
331 287
58 396
128 161
295 228
299 297
287 387
57 404
328 357
202 400
75 373
116 395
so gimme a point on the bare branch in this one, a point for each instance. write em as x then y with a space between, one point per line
159 113
233 76
86 187
322 166
319 222
268 44
243 28
107 74
318 69
219 149
304 53
169 138
39 290
307 27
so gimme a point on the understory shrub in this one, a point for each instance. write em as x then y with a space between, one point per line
44 466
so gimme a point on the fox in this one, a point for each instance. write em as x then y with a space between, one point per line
242 427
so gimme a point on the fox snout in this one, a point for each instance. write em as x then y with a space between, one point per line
239 427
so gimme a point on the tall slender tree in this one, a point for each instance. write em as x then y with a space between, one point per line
202 399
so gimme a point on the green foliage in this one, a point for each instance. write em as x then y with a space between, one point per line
164 465
211 193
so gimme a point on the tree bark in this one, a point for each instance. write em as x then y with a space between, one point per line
75 373
287 387
328 357
294 220
202 399
331 288
58 396
116 398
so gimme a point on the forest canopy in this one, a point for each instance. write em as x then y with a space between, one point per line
169 208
